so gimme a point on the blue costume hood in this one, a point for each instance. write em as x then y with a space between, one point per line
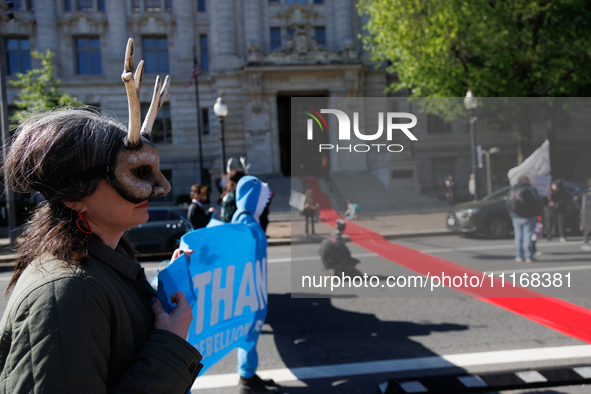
252 196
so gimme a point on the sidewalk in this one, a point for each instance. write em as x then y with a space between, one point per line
388 225
287 232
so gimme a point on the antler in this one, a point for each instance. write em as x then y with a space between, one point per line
158 98
132 85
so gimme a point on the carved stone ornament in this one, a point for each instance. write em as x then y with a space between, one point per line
301 47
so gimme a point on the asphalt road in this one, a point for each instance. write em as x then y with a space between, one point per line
351 333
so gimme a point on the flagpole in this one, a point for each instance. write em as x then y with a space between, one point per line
199 126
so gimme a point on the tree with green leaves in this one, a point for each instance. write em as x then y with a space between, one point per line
39 90
498 48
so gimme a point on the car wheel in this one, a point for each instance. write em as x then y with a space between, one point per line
498 228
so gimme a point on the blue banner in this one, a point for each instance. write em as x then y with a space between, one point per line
226 283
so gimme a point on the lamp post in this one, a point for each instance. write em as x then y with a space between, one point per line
491 151
471 102
221 111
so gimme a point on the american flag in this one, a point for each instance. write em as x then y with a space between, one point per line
196 72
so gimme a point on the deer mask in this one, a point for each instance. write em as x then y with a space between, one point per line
134 164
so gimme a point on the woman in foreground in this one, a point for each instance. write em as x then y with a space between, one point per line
81 317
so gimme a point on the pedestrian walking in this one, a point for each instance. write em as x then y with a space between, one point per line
196 214
451 190
82 316
252 196
555 206
584 203
524 205
473 185
310 211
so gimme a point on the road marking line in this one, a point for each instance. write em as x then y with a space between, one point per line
531 376
315 258
401 365
494 247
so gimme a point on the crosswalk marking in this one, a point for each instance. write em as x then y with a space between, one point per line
411 364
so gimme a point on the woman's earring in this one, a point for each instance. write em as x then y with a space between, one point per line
82 216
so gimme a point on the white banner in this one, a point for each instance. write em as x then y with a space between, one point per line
537 164
297 200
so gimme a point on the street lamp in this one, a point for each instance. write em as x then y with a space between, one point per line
221 111
491 151
471 102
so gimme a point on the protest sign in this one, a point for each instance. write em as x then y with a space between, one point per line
226 283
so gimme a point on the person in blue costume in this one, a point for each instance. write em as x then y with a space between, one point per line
252 196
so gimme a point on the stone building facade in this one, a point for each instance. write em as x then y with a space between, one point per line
259 52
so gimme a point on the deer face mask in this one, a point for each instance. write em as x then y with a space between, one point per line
134 163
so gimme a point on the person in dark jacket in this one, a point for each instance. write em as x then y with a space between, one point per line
196 214
524 205
584 204
555 210
451 190
82 317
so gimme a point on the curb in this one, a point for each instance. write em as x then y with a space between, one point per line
393 235
8 259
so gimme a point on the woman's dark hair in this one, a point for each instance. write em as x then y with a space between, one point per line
233 177
48 151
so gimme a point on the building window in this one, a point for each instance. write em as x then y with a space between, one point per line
18 52
296 1
440 170
153 5
162 129
101 5
205 120
88 55
275 37
24 5
156 54
273 1
85 5
318 1
436 125
67 5
320 34
200 5
203 50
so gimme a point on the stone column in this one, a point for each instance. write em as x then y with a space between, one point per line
185 35
116 36
223 35
252 22
47 37
343 22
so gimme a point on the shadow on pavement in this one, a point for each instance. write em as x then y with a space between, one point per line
311 331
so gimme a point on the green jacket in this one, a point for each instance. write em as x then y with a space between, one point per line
89 329
229 205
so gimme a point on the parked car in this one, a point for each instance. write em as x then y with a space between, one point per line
162 231
489 215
